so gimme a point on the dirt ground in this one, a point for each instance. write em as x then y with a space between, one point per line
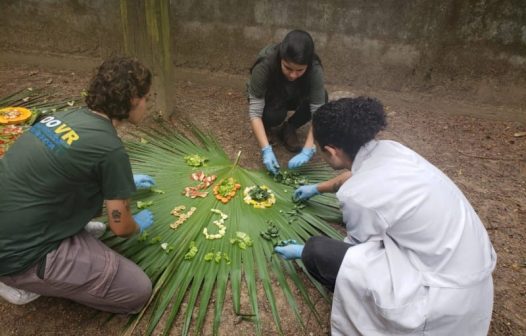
474 144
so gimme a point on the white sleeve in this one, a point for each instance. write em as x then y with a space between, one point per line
255 107
362 224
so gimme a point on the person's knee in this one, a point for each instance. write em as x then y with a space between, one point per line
313 249
141 294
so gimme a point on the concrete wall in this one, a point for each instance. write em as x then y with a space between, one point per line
477 46
78 27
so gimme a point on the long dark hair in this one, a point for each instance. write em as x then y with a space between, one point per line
297 47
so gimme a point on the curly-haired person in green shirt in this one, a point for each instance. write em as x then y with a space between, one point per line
54 181
286 76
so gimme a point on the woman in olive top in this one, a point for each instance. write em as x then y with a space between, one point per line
286 76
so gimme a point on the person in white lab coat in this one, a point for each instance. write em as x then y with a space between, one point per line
416 260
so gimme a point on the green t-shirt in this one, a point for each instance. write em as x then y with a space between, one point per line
259 79
54 180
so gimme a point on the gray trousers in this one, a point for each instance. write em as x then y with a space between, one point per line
86 271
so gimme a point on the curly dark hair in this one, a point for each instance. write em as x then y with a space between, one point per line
117 81
348 123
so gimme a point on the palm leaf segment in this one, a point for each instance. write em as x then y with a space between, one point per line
40 102
161 250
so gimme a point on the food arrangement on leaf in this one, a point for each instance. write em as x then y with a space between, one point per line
220 223
195 160
178 212
259 197
14 115
8 135
197 191
232 244
225 190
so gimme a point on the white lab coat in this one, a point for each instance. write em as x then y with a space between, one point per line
421 260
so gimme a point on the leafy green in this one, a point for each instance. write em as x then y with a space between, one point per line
195 160
144 204
242 240
291 178
259 194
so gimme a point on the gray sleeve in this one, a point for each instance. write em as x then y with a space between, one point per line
255 106
314 107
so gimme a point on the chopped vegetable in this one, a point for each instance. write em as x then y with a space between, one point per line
242 240
290 178
182 217
225 190
155 240
144 236
144 204
259 196
217 257
195 160
295 213
271 234
8 135
196 191
219 223
192 251
157 191
167 247
14 115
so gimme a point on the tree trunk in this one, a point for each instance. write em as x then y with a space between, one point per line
146 29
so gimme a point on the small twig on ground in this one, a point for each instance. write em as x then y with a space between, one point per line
485 157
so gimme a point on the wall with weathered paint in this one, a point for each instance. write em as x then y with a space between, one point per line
473 45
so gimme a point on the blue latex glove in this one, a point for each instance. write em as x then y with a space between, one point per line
305 192
143 181
144 219
291 251
269 159
302 158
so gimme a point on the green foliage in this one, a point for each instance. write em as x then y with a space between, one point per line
291 178
195 160
183 275
259 194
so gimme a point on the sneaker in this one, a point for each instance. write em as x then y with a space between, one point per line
290 138
96 229
16 296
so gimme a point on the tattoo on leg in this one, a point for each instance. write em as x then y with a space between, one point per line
116 216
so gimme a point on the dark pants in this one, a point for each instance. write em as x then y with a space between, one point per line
323 256
277 106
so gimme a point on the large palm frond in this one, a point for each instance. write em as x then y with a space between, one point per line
161 250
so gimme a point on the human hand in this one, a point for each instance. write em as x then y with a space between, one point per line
143 181
269 159
289 252
302 158
144 219
305 192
